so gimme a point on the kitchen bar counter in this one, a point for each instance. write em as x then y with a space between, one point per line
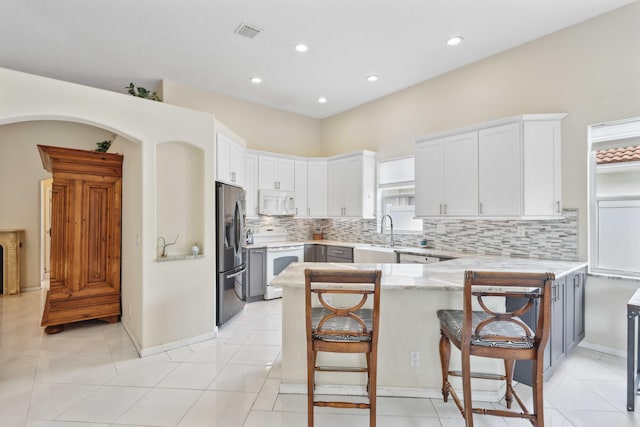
410 296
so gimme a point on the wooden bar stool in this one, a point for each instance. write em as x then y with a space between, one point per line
500 335
336 329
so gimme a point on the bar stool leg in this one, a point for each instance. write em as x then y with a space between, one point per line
311 383
466 387
445 356
373 383
538 403
508 372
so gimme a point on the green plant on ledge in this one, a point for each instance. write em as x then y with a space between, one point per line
141 92
103 146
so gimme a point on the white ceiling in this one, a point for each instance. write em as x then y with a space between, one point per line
109 43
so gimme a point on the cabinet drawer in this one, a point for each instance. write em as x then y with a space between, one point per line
339 254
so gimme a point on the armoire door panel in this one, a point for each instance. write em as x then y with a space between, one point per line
62 220
96 221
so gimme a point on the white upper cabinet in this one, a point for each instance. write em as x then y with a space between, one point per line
499 171
301 187
251 184
542 168
351 185
447 176
316 188
460 169
505 168
276 173
429 178
229 160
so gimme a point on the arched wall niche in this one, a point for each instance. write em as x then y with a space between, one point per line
179 197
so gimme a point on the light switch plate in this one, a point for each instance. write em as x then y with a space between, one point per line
440 228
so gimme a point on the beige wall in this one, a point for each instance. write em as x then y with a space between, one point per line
263 128
20 174
591 71
156 295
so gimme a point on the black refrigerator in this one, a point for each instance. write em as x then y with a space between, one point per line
230 259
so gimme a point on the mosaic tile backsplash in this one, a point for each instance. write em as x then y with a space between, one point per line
557 239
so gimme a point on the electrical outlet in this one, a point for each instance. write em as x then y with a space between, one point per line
414 358
521 231
440 228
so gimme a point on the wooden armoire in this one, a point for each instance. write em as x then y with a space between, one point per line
85 236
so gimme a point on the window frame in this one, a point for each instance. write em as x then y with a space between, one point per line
602 136
380 208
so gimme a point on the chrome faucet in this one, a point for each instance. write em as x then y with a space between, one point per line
390 223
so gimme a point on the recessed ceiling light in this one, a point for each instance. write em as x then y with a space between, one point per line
256 80
455 40
372 78
301 47
322 100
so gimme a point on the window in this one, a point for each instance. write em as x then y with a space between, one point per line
396 193
614 198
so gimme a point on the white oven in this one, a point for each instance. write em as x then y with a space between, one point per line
278 258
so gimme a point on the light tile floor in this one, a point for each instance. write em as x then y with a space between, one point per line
91 376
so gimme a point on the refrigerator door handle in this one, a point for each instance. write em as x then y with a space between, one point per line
236 274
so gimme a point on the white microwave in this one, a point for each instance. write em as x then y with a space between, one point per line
275 202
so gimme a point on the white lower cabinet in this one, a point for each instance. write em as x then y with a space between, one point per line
505 168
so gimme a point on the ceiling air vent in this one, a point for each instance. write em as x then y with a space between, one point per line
247 31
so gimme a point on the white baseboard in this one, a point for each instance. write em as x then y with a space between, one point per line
602 349
131 337
176 344
354 390
169 346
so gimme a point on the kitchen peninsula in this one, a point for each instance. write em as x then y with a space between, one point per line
410 296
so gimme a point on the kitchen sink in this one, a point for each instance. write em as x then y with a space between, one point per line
375 254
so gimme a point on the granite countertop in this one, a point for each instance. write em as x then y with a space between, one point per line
416 250
447 275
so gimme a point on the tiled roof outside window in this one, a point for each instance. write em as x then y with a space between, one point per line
618 155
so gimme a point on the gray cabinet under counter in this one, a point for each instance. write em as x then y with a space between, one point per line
315 252
339 254
257 274
567 323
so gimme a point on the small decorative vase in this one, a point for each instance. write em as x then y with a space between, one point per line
195 249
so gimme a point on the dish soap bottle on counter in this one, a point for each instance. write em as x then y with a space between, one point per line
423 242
